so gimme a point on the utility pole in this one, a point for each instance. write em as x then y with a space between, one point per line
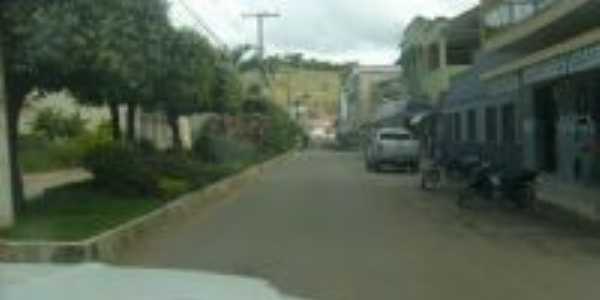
6 203
260 29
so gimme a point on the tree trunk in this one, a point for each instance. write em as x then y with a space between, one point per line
173 120
115 118
14 111
131 130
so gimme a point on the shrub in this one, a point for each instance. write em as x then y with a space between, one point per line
203 149
172 187
129 170
54 124
121 169
178 166
39 154
224 150
147 146
215 173
282 134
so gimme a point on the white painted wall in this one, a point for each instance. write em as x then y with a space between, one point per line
6 211
65 103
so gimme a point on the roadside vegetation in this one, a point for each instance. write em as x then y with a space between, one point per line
77 211
104 54
133 180
57 142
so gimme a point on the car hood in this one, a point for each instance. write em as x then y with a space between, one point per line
101 282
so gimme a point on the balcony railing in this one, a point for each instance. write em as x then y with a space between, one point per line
509 13
525 23
438 81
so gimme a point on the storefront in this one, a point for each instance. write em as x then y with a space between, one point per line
501 120
561 111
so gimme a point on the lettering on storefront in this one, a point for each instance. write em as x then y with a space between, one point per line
585 59
504 84
550 69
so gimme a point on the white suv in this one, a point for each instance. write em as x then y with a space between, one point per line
392 146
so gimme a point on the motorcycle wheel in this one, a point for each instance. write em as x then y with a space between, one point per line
430 179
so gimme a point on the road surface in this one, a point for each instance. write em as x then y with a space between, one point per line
320 227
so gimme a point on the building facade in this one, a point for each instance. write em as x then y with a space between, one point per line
553 83
532 97
435 50
360 96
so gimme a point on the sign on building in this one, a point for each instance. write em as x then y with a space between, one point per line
547 70
585 59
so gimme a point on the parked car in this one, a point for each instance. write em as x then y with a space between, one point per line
392 146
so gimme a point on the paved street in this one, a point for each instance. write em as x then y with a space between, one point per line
320 227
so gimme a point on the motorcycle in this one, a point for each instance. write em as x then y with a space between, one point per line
515 187
431 176
461 167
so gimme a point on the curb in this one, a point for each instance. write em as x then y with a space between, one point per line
106 246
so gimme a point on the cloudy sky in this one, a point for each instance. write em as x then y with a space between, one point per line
367 31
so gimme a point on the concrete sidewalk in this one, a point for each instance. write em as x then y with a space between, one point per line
582 202
37 184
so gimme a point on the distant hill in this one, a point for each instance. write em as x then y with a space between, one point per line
318 90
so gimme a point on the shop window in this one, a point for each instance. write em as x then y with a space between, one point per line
509 130
434 57
460 56
447 130
472 125
457 127
491 124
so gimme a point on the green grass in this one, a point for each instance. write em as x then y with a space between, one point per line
37 154
78 211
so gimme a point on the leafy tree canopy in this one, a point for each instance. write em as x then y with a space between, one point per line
187 63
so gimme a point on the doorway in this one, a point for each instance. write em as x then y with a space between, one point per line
546 117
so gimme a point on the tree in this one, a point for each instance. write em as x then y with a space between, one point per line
186 83
227 87
24 72
102 51
106 49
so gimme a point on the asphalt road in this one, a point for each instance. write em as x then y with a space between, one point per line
321 227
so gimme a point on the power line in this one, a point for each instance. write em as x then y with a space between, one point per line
199 21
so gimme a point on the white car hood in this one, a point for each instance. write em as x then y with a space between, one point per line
101 282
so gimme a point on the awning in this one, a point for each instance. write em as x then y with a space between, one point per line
419 118
399 109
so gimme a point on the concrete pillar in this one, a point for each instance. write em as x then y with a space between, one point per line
443 53
6 203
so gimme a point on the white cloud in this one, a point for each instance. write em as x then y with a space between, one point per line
342 30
